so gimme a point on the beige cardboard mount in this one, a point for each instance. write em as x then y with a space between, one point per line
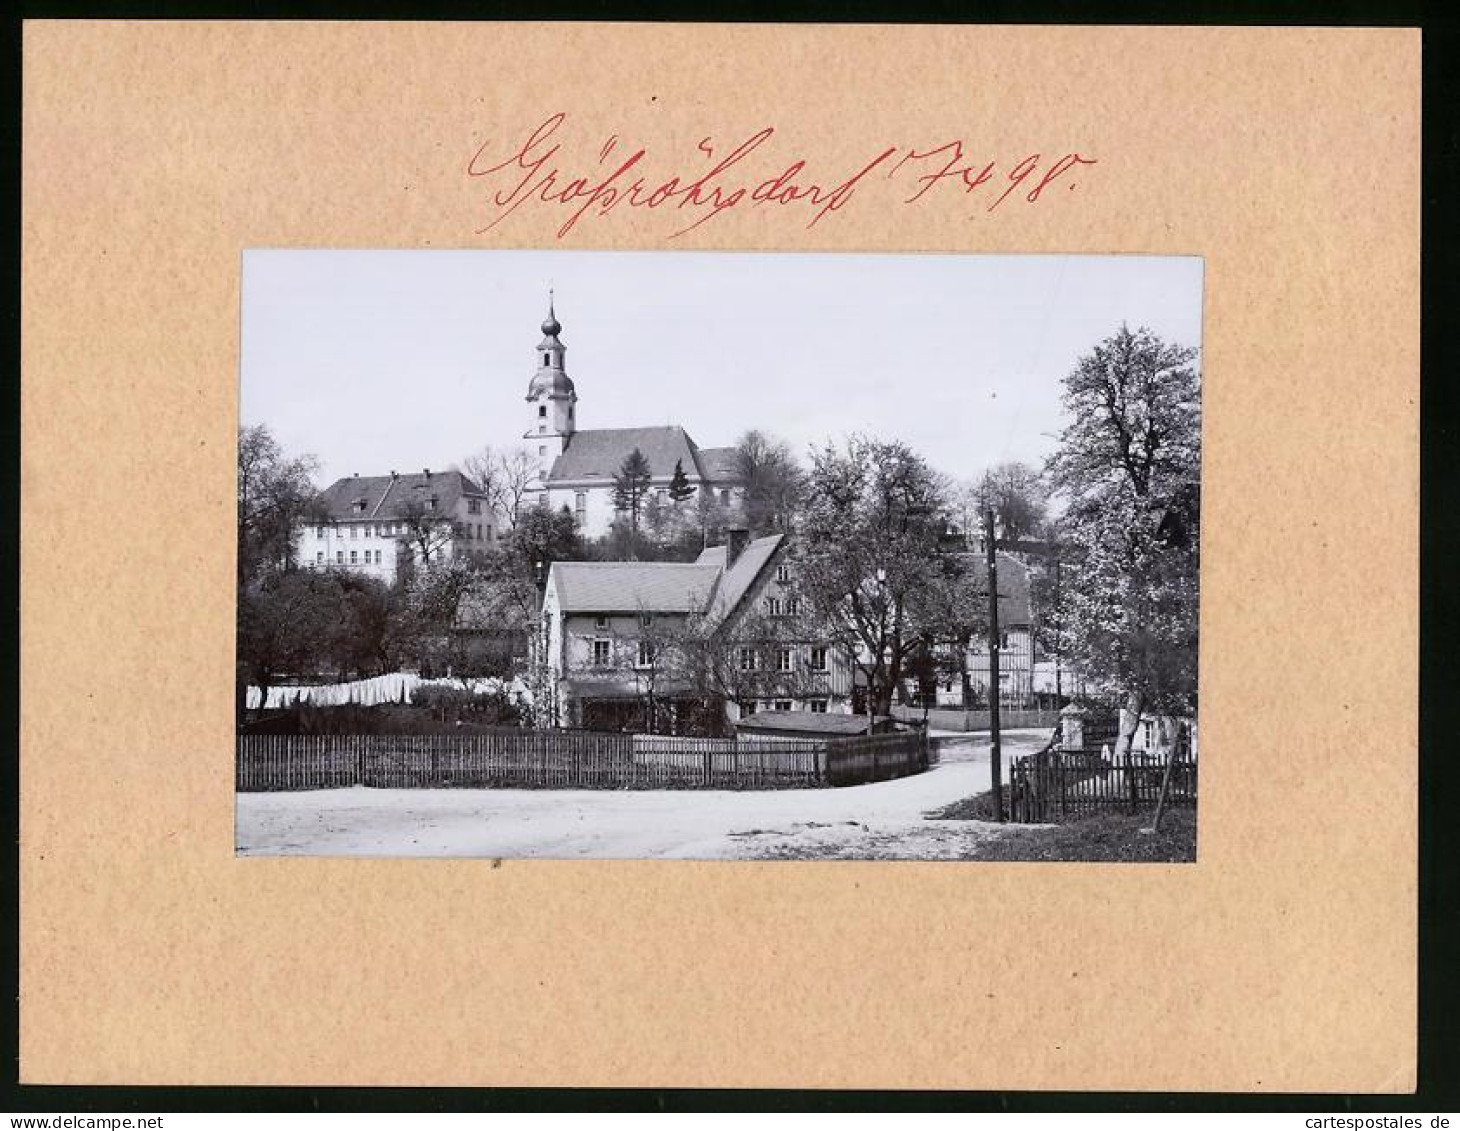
1284 959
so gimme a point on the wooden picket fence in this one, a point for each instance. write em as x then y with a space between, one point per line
527 759
1056 785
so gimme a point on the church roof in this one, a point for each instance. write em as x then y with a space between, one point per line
384 496
598 453
719 465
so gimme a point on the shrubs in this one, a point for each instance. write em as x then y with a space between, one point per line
431 710
459 703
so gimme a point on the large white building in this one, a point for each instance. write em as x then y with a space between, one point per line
368 523
575 467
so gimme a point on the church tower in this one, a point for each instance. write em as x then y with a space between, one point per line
551 400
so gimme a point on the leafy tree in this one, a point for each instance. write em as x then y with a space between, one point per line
1016 493
870 557
952 610
358 643
680 488
275 495
540 538
773 483
1128 467
285 620
631 487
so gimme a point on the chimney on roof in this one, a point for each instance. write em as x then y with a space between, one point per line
427 470
394 476
355 475
736 539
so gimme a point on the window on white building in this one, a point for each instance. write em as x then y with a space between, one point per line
783 573
817 706
783 659
646 653
748 707
600 623
773 606
377 557
354 558
783 704
541 411
749 660
818 659
319 532
354 531
339 557
580 506
602 653
319 557
725 498
473 506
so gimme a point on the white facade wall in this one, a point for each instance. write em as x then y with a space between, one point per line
598 513
374 547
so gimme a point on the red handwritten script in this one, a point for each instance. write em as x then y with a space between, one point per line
538 173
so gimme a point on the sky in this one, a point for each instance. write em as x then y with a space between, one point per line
374 361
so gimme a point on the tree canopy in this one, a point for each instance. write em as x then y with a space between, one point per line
1128 466
773 481
871 561
275 494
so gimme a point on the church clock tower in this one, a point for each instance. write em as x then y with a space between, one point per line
551 400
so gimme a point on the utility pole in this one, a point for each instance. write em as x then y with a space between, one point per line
996 768
1059 643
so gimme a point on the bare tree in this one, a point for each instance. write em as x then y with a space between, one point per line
515 473
773 482
426 530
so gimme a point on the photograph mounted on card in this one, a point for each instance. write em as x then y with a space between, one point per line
571 640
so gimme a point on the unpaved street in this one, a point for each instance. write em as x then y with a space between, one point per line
883 820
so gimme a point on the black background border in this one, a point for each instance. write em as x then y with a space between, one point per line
1439 860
